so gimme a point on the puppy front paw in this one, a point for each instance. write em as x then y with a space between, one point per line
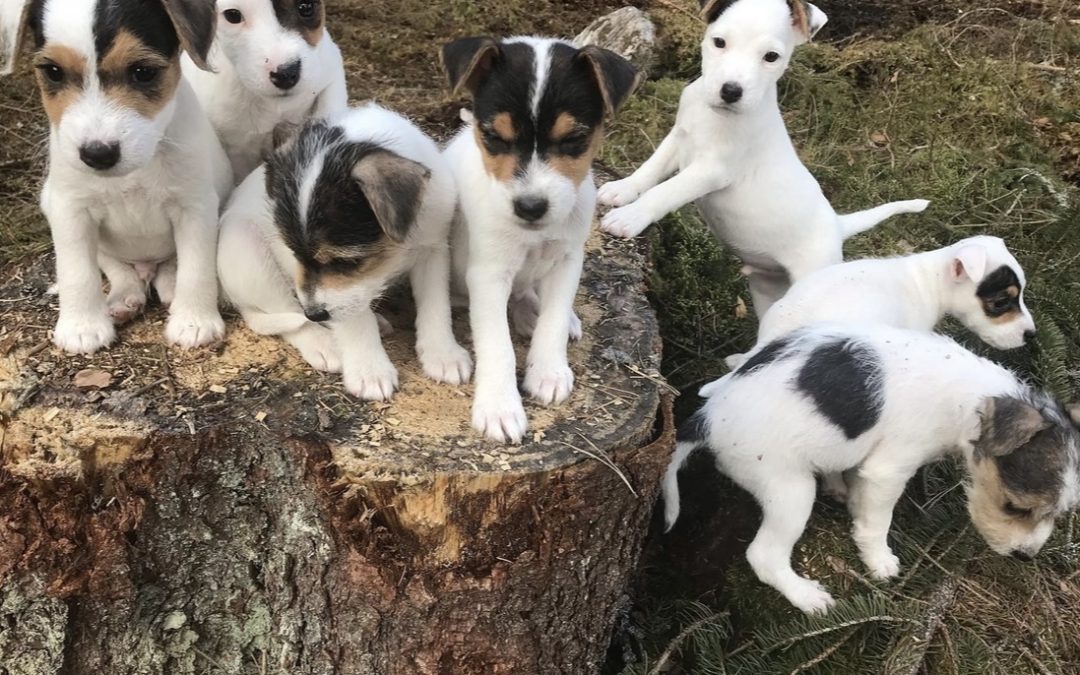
500 418
882 564
618 193
576 332
126 306
811 597
316 345
628 222
549 384
375 381
189 329
84 334
450 363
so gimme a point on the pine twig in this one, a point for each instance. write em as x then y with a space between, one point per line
674 644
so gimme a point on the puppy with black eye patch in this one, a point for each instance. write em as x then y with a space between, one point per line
523 166
342 209
273 61
136 173
880 402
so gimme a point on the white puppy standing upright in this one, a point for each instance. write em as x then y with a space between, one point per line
136 173
733 156
273 61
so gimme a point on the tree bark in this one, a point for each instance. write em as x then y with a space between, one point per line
229 511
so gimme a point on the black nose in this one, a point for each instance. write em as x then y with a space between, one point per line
286 76
1020 555
531 209
731 92
100 156
1030 335
317 314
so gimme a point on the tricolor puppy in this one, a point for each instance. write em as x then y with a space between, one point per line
527 199
733 155
882 402
342 209
136 173
273 61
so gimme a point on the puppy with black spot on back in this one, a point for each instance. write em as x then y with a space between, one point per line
733 156
272 61
880 402
523 166
136 173
342 209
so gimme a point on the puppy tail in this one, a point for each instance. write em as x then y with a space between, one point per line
856 223
275 324
671 482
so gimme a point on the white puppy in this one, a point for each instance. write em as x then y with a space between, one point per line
341 210
136 173
273 61
734 157
524 173
882 401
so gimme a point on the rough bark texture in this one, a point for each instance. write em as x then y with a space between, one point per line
228 511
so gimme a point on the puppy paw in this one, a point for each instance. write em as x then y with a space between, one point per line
883 565
190 329
618 193
449 363
835 487
125 306
575 327
735 360
371 381
628 222
523 315
316 345
549 384
500 418
84 334
811 597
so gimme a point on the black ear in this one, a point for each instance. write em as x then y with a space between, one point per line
468 60
712 9
195 22
14 25
1007 425
284 133
616 77
394 186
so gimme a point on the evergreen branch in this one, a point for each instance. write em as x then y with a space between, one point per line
666 655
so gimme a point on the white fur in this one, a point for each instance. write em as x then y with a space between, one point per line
737 161
258 271
239 97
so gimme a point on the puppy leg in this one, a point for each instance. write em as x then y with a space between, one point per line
127 290
693 182
367 370
194 317
766 290
165 282
786 501
548 377
443 359
875 488
662 164
525 310
835 487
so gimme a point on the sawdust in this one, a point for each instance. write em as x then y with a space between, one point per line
55 442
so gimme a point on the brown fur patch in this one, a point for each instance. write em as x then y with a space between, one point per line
565 124
577 168
57 97
503 125
501 167
800 16
126 52
987 506
382 261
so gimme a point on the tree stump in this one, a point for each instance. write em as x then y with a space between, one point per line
230 511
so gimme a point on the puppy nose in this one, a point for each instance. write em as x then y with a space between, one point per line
1030 335
1020 555
317 314
731 92
100 156
286 76
531 209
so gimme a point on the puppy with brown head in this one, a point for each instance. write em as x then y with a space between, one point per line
342 209
523 165
136 173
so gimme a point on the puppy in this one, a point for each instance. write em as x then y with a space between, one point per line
882 401
273 61
341 210
733 155
136 173
527 200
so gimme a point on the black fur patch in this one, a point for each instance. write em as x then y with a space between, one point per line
35 13
1000 292
844 380
145 19
766 355
694 429
288 15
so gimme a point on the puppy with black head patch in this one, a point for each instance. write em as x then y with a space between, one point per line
273 61
733 156
880 402
136 173
523 166
343 208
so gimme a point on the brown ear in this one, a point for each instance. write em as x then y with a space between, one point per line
394 187
806 18
195 22
712 9
616 77
284 133
467 61
1074 413
14 25
1007 424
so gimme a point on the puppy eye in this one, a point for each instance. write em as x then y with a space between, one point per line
496 144
52 72
305 9
720 43
772 57
1015 511
144 74
233 15
573 145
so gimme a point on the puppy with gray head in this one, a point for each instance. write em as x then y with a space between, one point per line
273 61
881 402
136 173
523 166
342 209
733 155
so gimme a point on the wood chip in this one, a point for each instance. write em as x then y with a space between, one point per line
218 389
51 415
260 416
92 378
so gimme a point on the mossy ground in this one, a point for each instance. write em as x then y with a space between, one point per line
974 106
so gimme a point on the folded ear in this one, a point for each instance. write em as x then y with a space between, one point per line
807 19
969 263
1074 413
712 9
616 77
284 133
1007 424
394 186
195 22
14 25
818 19
467 61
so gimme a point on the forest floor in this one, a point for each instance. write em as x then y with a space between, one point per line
973 105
